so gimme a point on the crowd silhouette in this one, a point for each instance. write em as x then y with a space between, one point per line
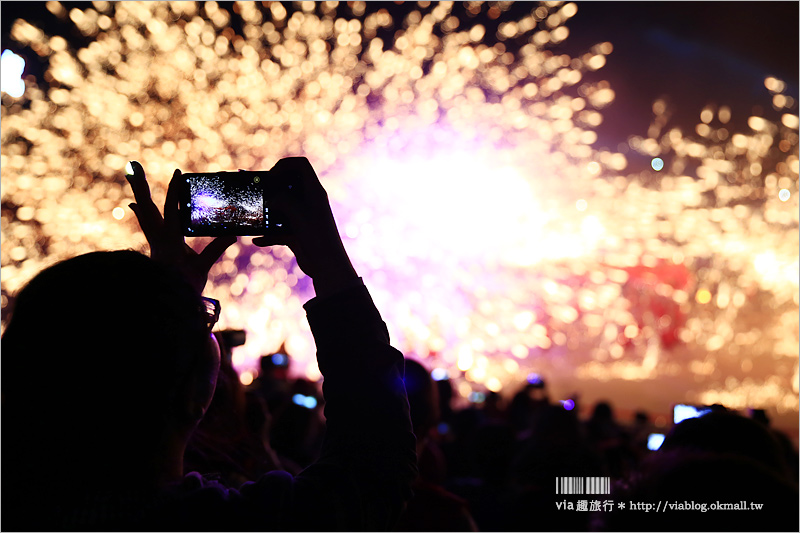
138 420
491 466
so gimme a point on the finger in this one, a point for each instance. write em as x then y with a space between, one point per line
146 223
307 195
273 240
283 206
214 250
171 222
299 170
136 177
141 192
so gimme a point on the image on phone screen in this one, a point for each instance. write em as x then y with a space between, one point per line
219 203
681 412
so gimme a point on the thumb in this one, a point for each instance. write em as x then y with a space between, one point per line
273 240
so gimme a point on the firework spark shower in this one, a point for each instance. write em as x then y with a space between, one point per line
495 236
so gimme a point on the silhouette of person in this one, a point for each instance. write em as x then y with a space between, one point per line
109 364
432 508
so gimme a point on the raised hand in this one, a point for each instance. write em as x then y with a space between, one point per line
164 234
314 238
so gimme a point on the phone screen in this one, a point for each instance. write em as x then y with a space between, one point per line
225 203
681 412
654 441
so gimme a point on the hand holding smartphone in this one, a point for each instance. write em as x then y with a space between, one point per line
286 205
314 238
164 234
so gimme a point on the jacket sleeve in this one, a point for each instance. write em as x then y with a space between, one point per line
368 461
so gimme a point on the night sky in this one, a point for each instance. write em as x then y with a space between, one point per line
690 53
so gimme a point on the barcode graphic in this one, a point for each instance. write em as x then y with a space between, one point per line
583 485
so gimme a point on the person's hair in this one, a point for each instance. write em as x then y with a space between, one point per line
94 353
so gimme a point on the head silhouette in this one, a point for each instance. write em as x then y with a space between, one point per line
423 397
108 361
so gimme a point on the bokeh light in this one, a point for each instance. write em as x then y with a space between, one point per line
657 163
495 237
12 67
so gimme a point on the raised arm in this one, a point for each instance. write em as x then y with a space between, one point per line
314 238
368 461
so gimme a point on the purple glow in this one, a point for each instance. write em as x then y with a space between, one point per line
535 379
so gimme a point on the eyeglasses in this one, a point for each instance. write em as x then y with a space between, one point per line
212 310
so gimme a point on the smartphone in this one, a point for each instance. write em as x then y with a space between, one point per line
655 440
681 412
230 203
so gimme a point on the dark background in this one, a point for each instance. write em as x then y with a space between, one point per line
692 54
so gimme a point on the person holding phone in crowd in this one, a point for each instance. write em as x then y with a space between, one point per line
109 364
